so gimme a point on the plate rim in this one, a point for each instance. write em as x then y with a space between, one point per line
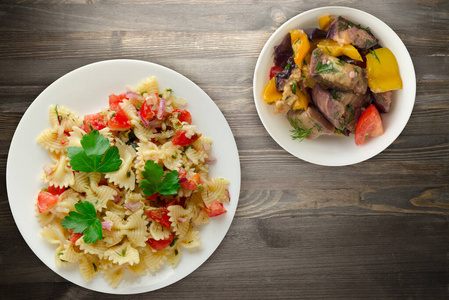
265 122
235 180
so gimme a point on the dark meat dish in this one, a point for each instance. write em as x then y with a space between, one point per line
345 32
309 123
337 74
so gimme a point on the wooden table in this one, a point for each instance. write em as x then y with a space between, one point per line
378 229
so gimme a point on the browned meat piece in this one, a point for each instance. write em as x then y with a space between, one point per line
342 109
337 74
383 101
310 123
345 32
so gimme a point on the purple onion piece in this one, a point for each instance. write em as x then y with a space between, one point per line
116 199
160 112
283 51
315 34
133 95
107 225
133 206
183 179
211 159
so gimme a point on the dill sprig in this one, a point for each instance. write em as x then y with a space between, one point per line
300 130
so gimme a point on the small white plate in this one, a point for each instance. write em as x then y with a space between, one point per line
337 150
86 90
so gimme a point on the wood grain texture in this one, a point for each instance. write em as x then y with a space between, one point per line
375 230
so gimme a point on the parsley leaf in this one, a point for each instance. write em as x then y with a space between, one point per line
85 221
95 155
154 183
325 68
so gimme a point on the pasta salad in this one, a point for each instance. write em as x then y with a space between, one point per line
128 186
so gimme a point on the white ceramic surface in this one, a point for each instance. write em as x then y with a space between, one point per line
337 150
85 90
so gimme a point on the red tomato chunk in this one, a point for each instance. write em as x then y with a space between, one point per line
369 124
45 201
160 244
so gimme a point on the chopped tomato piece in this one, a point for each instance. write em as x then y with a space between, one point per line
115 100
274 71
160 215
147 112
75 236
369 124
96 121
153 197
120 121
183 115
215 209
45 201
192 183
55 190
160 244
180 139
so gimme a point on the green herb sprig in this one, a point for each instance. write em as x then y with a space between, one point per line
85 221
156 182
95 155
300 130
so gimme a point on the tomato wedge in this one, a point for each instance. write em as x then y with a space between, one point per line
369 124
120 121
45 201
55 190
96 121
146 111
160 215
160 244
75 236
115 100
183 115
275 70
215 209
180 139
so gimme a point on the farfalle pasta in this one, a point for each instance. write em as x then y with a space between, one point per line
139 232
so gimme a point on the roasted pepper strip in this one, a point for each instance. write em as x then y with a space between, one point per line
325 22
303 100
383 71
300 45
270 94
333 48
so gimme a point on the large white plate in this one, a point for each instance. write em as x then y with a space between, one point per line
85 90
337 150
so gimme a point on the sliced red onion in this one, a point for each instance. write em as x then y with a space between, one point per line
160 112
47 169
133 206
183 179
182 220
107 225
133 95
143 121
228 195
155 123
211 159
116 199
206 147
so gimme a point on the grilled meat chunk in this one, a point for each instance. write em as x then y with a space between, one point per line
383 101
345 32
337 74
341 109
310 123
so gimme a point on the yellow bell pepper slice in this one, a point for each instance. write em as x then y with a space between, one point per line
303 97
383 71
270 94
325 21
335 49
300 45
